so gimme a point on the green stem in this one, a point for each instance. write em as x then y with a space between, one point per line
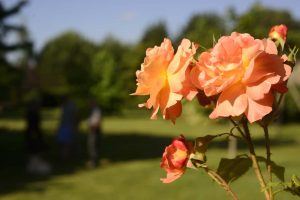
280 100
254 159
216 177
237 127
276 110
268 151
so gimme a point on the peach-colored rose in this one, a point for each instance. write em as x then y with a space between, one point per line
175 158
244 72
163 76
278 32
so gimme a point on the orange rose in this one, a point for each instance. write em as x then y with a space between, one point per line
278 32
175 158
163 77
243 72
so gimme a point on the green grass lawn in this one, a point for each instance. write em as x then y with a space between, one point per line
129 168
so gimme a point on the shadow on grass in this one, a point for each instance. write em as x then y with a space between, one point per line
13 156
136 146
258 142
115 148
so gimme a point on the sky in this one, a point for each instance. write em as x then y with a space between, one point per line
124 19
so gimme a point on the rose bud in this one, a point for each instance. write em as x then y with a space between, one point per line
278 32
175 158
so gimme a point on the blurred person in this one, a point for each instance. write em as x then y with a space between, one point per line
94 134
68 127
35 144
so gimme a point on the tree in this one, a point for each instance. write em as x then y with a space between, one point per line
7 28
11 75
109 76
202 27
64 65
154 35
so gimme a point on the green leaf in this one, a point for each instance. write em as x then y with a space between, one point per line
293 186
296 181
276 169
292 57
201 143
280 42
231 169
198 160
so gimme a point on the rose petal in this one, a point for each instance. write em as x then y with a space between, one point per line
232 102
172 177
258 109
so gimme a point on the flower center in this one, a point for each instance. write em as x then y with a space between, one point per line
179 154
246 63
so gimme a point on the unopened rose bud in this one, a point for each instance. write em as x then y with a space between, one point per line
278 32
175 158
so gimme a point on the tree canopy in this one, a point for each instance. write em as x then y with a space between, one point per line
65 63
201 28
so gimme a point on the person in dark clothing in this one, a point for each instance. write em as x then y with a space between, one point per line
34 140
33 136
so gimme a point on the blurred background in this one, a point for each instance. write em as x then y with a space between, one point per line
69 128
